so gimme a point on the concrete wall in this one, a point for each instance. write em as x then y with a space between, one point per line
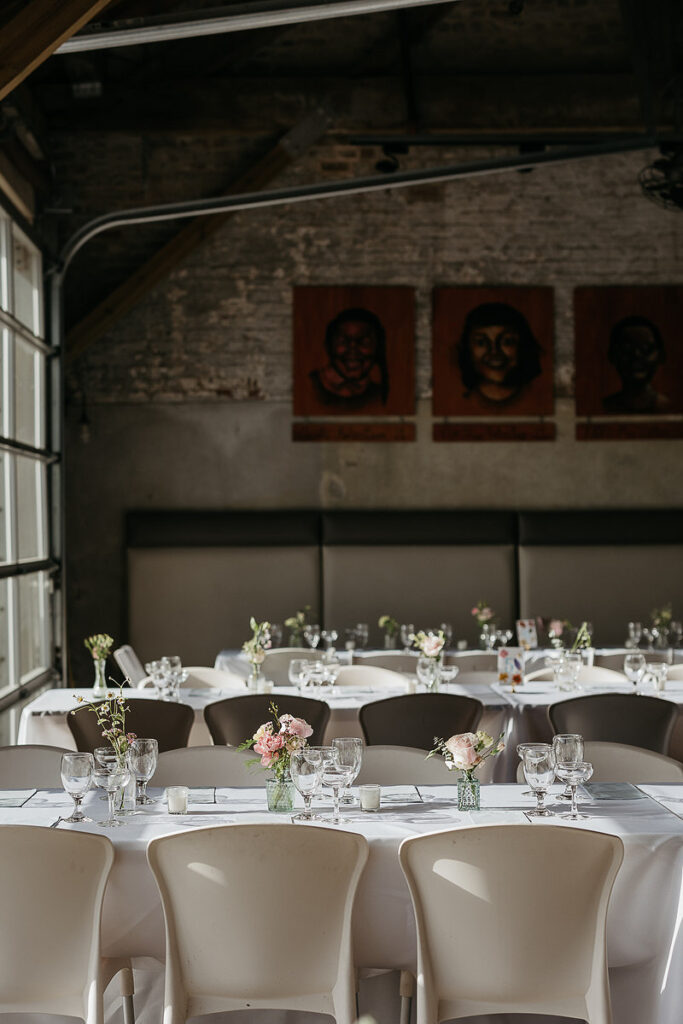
189 395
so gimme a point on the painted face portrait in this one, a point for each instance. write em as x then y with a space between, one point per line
356 370
636 350
497 352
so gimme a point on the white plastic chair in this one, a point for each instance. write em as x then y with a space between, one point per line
403 766
51 891
207 766
675 671
511 919
369 677
397 661
201 677
614 661
276 662
474 661
619 762
587 676
129 663
31 766
219 886
467 678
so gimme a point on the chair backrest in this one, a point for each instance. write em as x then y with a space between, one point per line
236 719
619 762
477 889
31 766
415 719
675 672
166 722
276 662
467 678
614 661
207 766
480 661
129 663
403 766
397 661
223 951
201 677
588 675
370 677
51 891
640 721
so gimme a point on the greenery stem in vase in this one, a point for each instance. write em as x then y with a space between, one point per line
390 627
255 649
99 645
296 624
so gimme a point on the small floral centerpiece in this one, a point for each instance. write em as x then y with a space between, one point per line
465 752
583 638
275 742
99 645
555 630
390 627
255 648
111 717
296 624
483 613
430 646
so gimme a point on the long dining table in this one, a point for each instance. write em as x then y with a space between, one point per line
645 918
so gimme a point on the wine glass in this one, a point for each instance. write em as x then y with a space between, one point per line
539 772
329 637
305 767
568 749
142 759
350 750
362 634
635 632
447 631
295 671
312 634
657 671
574 663
77 772
573 774
448 673
275 635
336 777
328 755
521 747
634 668
427 670
111 780
407 630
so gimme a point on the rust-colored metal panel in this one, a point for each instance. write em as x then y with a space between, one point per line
494 432
353 432
492 351
629 430
354 351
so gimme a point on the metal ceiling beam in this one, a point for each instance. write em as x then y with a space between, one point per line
237 18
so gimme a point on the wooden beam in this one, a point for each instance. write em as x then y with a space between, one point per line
19 192
36 32
103 317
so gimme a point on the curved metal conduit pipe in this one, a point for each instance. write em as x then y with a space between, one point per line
251 201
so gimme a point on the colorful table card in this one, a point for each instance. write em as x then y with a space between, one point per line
527 636
511 666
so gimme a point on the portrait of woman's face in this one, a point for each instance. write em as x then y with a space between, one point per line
494 352
353 349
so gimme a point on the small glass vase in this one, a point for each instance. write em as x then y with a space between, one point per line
99 689
280 795
389 641
255 679
468 792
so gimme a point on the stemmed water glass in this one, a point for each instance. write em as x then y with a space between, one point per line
305 767
77 772
328 755
362 634
521 747
407 630
573 774
329 637
336 777
111 779
539 772
350 750
447 631
568 750
295 672
447 673
634 668
312 635
635 632
142 760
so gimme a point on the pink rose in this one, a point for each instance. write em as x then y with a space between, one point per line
462 749
485 614
432 646
475 610
269 744
268 760
295 726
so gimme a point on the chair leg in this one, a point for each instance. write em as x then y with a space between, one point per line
127 992
406 988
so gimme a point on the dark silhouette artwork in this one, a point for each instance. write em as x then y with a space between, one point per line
629 363
353 351
492 352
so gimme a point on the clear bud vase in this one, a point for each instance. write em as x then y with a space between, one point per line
100 685
468 792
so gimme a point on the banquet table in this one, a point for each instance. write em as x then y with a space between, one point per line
645 933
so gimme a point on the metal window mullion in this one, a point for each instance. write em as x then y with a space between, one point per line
5 255
25 332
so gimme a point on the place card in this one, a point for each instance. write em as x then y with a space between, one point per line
527 637
15 797
511 666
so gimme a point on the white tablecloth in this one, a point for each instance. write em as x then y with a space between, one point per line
645 933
